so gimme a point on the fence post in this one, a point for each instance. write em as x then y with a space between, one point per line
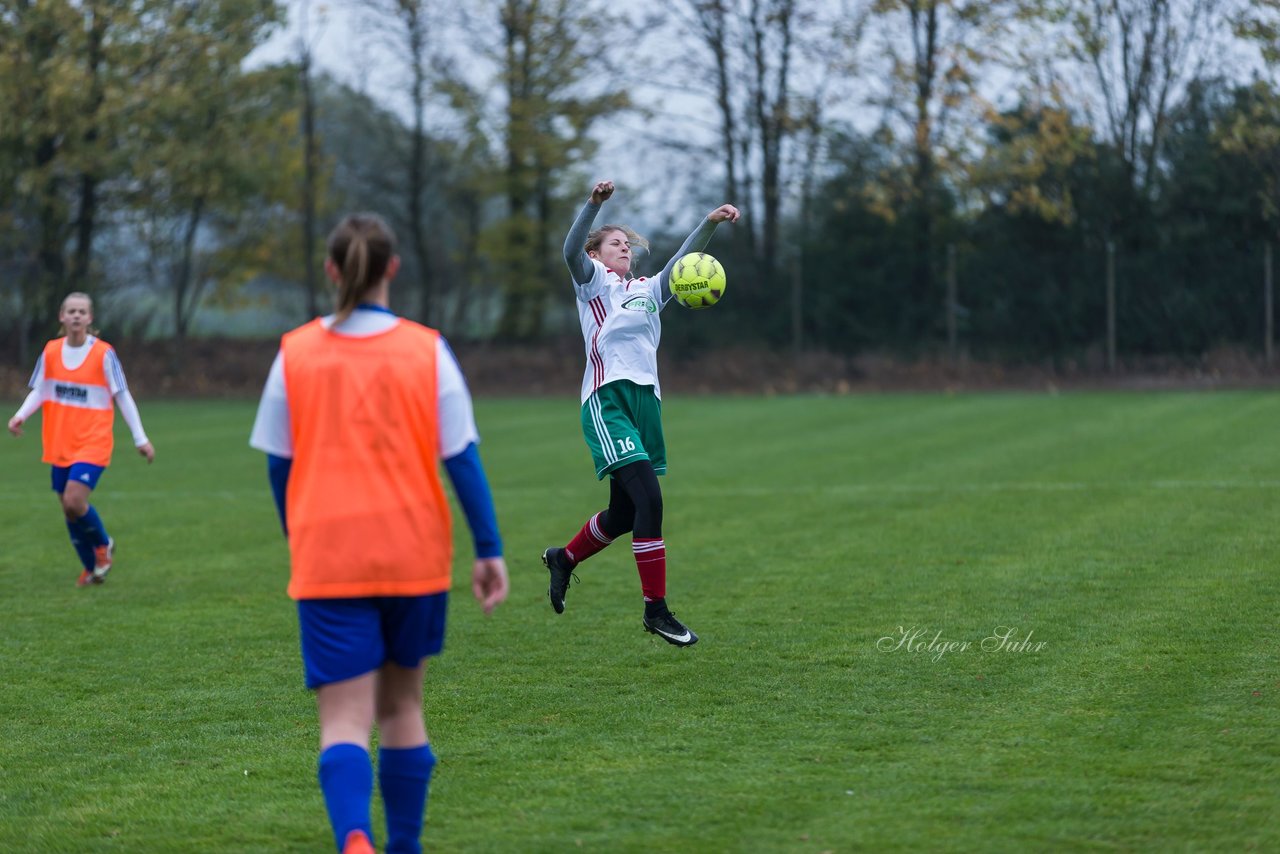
951 301
1111 305
1268 305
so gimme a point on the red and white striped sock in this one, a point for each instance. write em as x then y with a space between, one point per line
588 541
651 561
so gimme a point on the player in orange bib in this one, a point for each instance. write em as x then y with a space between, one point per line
358 412
76 384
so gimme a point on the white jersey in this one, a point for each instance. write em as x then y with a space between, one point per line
621 329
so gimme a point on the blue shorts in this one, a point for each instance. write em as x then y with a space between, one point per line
85 473
346 638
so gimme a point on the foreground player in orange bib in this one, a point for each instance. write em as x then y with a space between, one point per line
359 410
77 383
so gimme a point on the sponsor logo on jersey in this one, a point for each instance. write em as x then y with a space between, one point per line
639 303
71 392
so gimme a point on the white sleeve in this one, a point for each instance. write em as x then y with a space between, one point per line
33 402
592 289
129 409
37 376
115 376
36 398
272 432
457 420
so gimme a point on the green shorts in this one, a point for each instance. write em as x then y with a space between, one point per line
622 423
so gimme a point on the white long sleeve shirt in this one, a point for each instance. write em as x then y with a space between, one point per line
73 357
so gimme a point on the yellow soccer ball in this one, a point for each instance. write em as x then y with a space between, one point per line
697 280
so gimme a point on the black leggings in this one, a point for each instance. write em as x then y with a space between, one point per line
635 502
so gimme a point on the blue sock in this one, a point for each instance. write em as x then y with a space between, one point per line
403 775
81 544
92 525
346 778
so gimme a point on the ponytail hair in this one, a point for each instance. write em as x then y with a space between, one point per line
77 295
361 247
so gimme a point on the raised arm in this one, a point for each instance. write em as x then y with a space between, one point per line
698 239
574 255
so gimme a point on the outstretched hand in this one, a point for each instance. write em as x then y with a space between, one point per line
724 213
148 452
489 582
601 192
15 426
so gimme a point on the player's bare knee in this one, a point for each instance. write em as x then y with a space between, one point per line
397 716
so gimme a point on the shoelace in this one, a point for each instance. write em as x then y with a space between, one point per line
667 620
573 579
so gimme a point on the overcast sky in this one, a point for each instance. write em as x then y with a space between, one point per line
330 25
645 178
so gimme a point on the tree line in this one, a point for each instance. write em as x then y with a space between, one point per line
1010 177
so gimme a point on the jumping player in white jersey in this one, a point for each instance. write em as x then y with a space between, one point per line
621 402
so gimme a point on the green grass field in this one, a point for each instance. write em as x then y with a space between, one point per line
1133 537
